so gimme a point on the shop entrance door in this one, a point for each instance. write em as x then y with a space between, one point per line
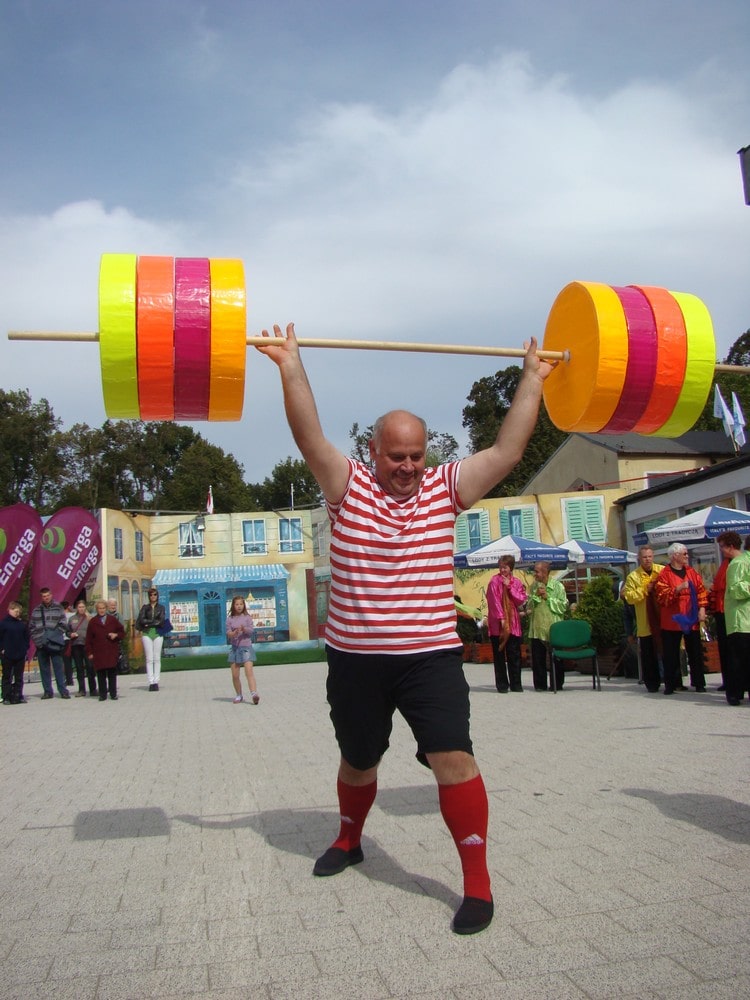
213 621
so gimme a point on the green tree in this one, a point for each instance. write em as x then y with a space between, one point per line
489 401
290 484
202 465
729 382
31 462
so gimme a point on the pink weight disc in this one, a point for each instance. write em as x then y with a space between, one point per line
192 338
641 370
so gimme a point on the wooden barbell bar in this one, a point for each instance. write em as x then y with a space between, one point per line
173 346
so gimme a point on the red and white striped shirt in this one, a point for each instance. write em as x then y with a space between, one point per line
392 565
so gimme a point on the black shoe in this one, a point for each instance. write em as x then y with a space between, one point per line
102 697
517 690
46 695
733 701
700 690
113 697
503 690
156 687
721 687
473 915
65 694
669 692
336 859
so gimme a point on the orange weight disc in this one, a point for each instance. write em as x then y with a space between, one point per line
671 359
228 347
588 319
699 370
155 336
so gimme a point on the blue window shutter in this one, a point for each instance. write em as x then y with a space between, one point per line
462 533
484 526
529 523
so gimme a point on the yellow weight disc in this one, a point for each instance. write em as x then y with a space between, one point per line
117 339
699 370
228 347
588 320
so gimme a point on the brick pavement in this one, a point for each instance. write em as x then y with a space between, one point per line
162 846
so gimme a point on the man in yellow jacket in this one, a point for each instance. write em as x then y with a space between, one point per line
638 592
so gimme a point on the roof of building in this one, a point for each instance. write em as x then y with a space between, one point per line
197 575
693 475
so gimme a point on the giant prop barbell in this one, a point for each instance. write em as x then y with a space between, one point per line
172 345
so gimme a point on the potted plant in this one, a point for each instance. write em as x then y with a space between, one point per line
597 605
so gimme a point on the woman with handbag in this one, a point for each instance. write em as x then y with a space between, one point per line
150 622
505 596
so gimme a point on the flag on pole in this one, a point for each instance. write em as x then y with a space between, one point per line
722 411
739 421
210 501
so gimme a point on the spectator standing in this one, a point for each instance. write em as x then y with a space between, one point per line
716 609
48 614
639 592
547 604
682 599
78 624
14 650
737 613
104 634
506 595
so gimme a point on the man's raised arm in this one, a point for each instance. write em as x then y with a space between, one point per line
329 466
482 471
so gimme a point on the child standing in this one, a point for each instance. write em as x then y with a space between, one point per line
239 630
14 647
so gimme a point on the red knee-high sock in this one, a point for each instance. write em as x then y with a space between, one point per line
354 805
465 811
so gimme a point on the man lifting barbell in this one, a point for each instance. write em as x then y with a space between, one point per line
391 631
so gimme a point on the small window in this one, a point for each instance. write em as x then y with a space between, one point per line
191 541
583 519
118 543
472 529
254 537
290 534
520 521
139 546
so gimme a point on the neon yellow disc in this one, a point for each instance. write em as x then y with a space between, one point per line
228 347
699 370
117 343
587 319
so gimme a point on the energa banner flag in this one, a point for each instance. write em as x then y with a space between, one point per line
20 531
67 555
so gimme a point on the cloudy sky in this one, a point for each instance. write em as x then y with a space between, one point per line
430 170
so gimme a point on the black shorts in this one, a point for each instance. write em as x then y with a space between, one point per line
428 689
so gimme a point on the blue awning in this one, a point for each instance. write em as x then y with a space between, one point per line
195 576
